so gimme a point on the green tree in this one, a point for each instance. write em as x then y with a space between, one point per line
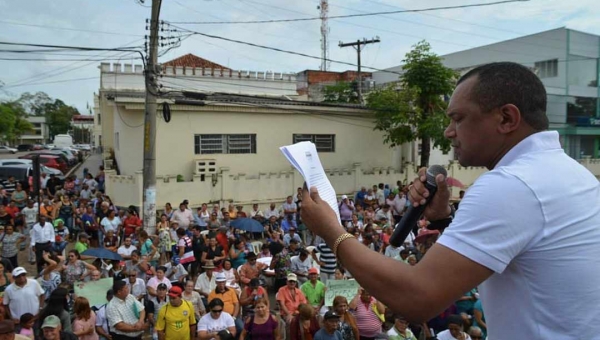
414 108
342 92
13 122
58 117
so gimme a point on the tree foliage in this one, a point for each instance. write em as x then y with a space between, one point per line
414 108
342 92
58 114
13 122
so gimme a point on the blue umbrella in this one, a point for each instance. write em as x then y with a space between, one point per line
248 224
102 253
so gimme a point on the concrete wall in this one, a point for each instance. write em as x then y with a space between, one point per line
355 139
264 188
130 77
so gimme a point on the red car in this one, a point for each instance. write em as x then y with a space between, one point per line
54 162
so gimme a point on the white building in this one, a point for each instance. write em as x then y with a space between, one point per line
228 149
567 62
40 132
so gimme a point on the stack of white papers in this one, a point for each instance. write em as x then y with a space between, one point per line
303 156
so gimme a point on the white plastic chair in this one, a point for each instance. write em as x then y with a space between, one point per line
256 246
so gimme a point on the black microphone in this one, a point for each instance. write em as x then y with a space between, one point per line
412 214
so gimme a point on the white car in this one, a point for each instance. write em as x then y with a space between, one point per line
45 169
6 149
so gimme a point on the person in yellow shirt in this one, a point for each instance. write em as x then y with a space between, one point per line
176 320
231 303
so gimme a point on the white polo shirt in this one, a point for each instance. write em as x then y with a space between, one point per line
535 221
21 300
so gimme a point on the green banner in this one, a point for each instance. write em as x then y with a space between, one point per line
94 291
345 288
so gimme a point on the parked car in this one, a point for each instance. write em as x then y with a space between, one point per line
51 161
45 169
49 146
23 173
25 147
84 147
62 161
38 147
6 149
68 153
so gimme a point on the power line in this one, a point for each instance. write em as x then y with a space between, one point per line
63 60
347 16
50 82
68 28
284 51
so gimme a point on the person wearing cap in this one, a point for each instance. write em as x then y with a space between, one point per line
126 315
83 243
231 302
184 216
314 290
226 294
101 321
346 208
329 330
251 269
290 297
155 303
42 237
176 319
52 330
250 294
400 330
23 295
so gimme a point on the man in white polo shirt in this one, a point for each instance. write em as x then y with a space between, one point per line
527 232
23 295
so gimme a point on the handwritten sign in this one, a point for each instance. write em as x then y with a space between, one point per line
345 288
94 291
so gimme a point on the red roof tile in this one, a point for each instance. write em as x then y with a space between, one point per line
190 60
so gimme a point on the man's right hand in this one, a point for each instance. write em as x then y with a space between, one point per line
439 207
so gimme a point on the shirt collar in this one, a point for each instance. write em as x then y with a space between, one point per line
540 141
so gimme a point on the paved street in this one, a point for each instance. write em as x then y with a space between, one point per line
92 164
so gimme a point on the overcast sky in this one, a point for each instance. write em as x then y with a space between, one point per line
116 23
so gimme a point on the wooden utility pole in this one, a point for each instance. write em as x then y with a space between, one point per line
151 73
357 46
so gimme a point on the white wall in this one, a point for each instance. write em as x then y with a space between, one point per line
355 139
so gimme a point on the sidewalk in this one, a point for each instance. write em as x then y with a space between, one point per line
92 164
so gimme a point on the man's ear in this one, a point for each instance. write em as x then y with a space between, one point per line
509 117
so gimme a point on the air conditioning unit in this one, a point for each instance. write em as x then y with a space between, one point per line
205 166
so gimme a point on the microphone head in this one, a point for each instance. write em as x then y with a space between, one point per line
432 173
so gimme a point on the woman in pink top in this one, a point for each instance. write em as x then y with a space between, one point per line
158 279
84 325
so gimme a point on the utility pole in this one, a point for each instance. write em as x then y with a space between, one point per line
357 46
149 192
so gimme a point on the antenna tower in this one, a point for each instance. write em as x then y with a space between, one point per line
324 7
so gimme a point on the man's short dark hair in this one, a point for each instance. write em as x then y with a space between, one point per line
118 285
510 83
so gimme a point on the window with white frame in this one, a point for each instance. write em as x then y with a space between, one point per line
205 144
324 143
547 68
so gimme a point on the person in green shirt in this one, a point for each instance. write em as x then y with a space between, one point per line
83 244
314 290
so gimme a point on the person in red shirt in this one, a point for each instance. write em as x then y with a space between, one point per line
222 239
131 223
12 209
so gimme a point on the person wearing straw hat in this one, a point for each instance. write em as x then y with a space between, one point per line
205 283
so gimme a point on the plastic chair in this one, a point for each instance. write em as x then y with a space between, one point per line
256 246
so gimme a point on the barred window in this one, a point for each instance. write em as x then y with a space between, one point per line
215 144
324 143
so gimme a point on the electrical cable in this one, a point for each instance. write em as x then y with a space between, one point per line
347 16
